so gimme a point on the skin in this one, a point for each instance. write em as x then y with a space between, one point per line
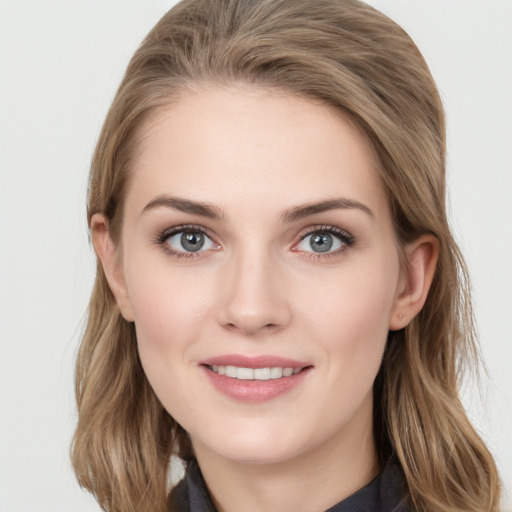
259 287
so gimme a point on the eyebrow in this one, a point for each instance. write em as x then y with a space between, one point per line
207 210
293 214
303 211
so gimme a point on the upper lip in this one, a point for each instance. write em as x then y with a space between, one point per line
261 361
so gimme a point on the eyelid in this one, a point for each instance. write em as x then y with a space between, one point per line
162 238
325 228
343 236
168 232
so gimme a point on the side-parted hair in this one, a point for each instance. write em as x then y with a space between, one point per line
348 55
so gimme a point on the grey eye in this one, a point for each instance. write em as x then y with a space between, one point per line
190 241
319 242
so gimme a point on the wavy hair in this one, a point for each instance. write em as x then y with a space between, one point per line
348 55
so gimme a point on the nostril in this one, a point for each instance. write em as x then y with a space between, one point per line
231 327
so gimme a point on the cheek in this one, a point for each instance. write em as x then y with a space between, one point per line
166 314
349 317
173 312
167 308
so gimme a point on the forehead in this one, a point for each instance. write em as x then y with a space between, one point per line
247 146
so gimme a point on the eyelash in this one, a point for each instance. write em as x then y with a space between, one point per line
343 236
175 230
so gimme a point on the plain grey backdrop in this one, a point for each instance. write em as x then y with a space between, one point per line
60 64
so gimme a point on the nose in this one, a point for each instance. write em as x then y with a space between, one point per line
254 297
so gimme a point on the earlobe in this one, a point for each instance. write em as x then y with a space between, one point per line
108 255
415 281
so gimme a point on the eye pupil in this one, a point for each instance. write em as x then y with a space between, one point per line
321 242
192 241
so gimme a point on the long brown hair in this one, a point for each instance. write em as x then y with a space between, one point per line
352 57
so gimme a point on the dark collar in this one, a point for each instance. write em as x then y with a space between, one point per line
385 493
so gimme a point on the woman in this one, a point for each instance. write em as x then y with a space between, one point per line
279 300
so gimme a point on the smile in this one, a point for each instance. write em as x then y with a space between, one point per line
241 373
255 379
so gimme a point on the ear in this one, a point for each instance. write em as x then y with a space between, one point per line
415 280
109 258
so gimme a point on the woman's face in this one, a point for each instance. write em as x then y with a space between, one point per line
258 243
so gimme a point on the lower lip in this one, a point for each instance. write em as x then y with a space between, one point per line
254 391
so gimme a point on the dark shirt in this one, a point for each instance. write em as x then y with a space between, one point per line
385 493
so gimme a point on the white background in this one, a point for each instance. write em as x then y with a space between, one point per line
60 63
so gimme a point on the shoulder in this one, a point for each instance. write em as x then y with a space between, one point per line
191 494
387 492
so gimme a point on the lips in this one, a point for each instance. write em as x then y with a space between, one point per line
243 373
262 361
254 379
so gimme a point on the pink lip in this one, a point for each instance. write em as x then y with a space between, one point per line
263 361
254 391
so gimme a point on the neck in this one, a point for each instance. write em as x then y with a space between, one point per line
312 481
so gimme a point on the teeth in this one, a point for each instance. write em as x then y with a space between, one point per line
245 373
231 371
262 373
241 373
276 373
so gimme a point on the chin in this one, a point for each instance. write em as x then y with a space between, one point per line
254 447
260 455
